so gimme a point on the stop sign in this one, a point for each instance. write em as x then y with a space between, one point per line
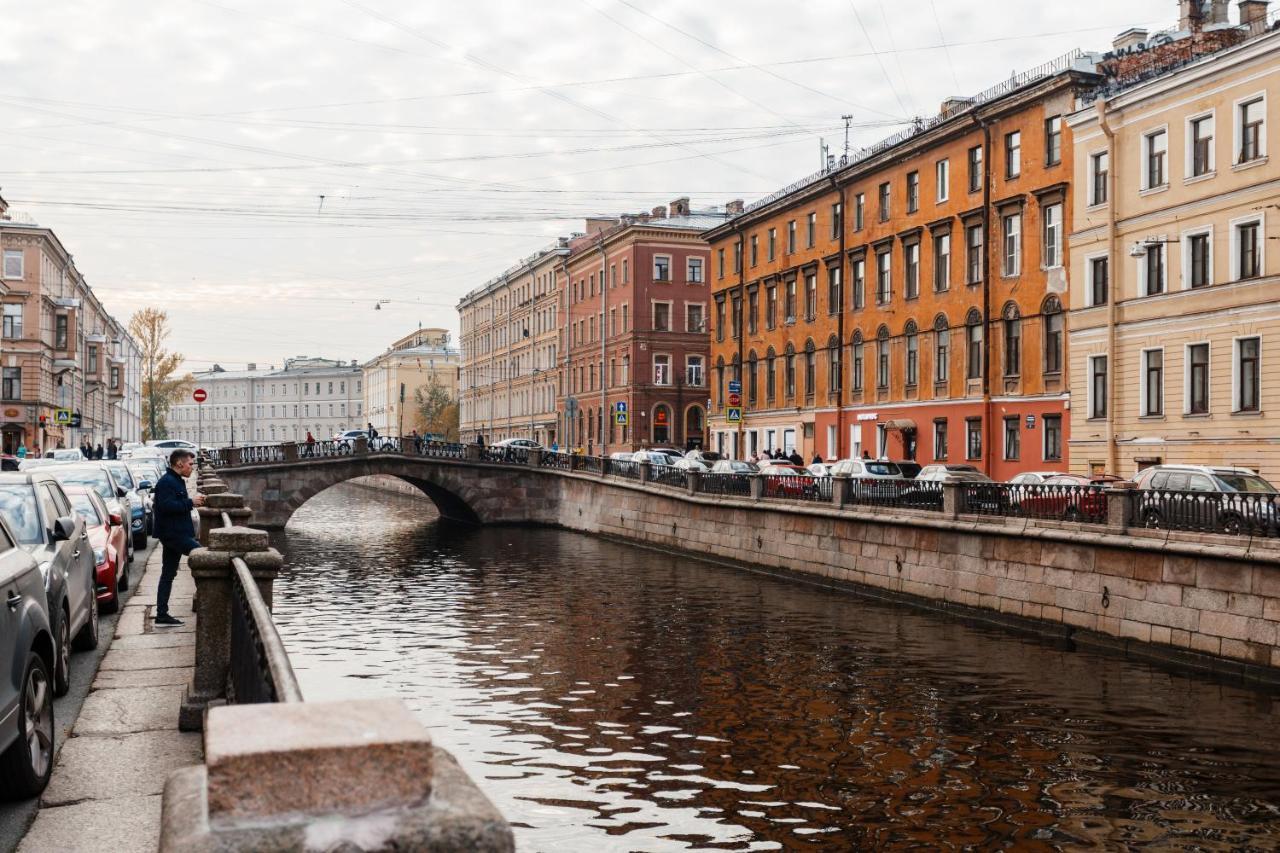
734 400
199 395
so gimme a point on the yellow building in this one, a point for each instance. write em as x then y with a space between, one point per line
391 379
1174 302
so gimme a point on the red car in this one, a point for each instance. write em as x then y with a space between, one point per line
107 534
1071 503
784 480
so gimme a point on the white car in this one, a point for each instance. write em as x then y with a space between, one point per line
954 473
706 457
822 469
865 469
518 442
690 464
172 444
65 455
1034 478
623 456
348 439
735 466
653 457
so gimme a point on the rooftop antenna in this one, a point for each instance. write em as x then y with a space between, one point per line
321 207
848 120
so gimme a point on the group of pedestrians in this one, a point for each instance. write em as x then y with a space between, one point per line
112 450
781 455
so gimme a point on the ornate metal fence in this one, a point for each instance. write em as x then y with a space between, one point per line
738 485
905 494
1233 513
667 475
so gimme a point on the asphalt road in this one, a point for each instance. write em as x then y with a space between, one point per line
16 817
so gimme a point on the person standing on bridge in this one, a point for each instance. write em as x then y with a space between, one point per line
173 527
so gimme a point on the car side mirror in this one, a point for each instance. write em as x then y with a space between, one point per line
144 485
115 518
120 493
64 528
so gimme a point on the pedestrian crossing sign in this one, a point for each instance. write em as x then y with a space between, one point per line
620 417
735 414
62 416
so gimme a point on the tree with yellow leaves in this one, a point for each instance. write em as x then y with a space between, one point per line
160 384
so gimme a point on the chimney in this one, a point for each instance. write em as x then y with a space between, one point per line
596 224
1253 13
680 207
642 217
734 207
1130 37
659 212
1197 14
253 365
955 104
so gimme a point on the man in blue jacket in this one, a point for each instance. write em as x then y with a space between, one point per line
172 525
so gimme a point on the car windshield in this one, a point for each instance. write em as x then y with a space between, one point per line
123 475
84 507
711 456
139 473
95 479
18 504
1244 483
883 468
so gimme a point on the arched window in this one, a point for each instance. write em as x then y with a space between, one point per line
882 357
1012 339
973 344
720 381
912 340
1053 332
770 375
752 387
856 362
693 425
736 371
833 366
790 384
810 369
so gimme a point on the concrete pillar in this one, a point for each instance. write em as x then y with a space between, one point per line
840 491
691 479
757 487
234 455
471 452
575 462
290 451
1120 497
535 457
952 500
646 471
362 446
211 513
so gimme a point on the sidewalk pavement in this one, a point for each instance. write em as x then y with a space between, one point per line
106 786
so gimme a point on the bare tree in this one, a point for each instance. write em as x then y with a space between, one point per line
160 384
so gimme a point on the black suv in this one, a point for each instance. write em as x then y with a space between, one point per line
41 517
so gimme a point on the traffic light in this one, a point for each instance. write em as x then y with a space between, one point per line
43 420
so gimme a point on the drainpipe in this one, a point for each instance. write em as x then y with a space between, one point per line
566 327
988 243
600 415
1113 267
839 330
742 326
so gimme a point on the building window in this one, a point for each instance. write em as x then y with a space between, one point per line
859 211
941 349
1152 382
60 331
1013 154
810 370
1098 172
92 359
1053 141
942 179
1252 129
693 371
1052 438
811 230
720 321
12 383
1053 335
837 220
856 363
913 354
1155 151
1248 254
1199 264
835 298
1097 386
975 169
884 202
791 236
791 372
1200 140
753 310
1012 342
1153 269
13 263
115 380
662 370
720 262
12 320
882 359
973 254
810 296
1052 244
1248 377
911 270
1099 270
913 192
770 382
973 438
791 301
940 439
884 277
693 317
1197 379
693 271
1012 438
941 261
859 269
771 306
736 316
833 367
1012 225
973 333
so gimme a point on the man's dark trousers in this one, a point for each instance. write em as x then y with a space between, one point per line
171 552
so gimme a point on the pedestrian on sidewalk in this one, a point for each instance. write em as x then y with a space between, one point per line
172 526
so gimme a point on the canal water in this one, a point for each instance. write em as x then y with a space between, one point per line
608 697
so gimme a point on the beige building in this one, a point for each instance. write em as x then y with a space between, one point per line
391 380
510 350
71 372
1175 293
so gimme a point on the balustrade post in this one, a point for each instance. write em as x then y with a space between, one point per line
234 455
361 446
574 462
535 457
289 450
757 486
472 452
952 499
691 480
1119 497
645 471
840 491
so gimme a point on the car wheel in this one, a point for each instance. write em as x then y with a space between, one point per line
1151 518
1233 525
26 765
112 604
123 583
140 540
61 653
1072 514
87 639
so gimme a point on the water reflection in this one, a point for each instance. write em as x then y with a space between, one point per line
613 698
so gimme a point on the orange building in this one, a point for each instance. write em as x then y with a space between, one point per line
908 303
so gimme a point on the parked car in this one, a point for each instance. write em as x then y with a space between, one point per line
107 538
866 468
821 469
653 457
686 463
734 466
9 462
940 473
173 444
41 518
708 458
97 476
1207 497
146 476
27 662
139 520
1033 478
1071 502
346 441
64 455
787 481
908 468
526 443
622 456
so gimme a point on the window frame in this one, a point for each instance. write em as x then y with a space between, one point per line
1189 164
1099 179
691 263
1053 140
1189 379
1186 239
1237 109
974 164
1258 219
1097 403
1012 438
20 256
669 362
942 271
1090 279
1237 376
1011 263
1012 154
1045 420
1146 155
1051 236
1145 409
911 269
942 180
1161 251
657 259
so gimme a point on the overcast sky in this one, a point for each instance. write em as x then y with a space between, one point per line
267 171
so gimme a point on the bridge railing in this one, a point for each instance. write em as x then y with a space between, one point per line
736 485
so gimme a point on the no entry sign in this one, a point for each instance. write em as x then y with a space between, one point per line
199 395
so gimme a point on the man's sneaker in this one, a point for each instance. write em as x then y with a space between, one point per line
167 621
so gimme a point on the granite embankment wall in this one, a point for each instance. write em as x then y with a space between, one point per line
1206 603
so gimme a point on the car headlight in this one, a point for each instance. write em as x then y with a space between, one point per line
99 556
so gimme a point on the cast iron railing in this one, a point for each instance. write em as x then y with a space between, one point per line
591 464
667 475
796 487
900 494
725 484
558 461
622 468
1233 513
